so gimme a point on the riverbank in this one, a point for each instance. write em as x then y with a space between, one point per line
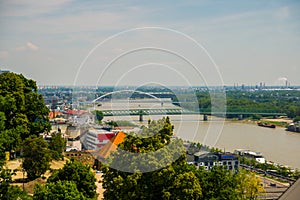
281 122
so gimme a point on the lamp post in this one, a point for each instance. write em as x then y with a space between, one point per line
23 170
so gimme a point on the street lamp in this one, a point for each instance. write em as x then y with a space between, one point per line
23 170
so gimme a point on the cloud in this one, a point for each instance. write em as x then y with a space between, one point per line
27 46
3 54
32 46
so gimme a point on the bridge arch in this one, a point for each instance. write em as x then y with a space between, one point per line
121 91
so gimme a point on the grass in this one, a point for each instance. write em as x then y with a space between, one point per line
281 124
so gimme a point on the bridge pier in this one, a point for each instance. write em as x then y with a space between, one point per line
240 117
141 117
205 117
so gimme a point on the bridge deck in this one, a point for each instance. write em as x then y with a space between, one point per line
179 111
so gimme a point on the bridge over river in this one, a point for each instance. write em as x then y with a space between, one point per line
160 106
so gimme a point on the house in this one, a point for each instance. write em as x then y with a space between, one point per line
257 156
208 160
73 135
96 138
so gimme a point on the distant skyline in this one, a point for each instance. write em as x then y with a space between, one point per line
250 41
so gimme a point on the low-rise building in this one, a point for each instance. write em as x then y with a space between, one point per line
96 138
257 156
208 160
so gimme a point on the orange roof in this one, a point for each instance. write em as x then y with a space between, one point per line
53 114
112 145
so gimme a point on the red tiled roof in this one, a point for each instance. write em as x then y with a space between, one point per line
105 136
75 112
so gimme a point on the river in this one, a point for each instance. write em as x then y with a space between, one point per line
276 145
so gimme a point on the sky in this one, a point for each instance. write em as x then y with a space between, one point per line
139 42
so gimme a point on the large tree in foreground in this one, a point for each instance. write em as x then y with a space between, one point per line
170 180
22 109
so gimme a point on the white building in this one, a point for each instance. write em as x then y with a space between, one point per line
257 156
97 138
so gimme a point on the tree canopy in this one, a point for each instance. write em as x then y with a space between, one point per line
36 156
57 145
174 180
168 181
22 110
60 190
78 173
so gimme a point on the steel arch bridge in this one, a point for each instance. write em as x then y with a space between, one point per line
126 91
177 111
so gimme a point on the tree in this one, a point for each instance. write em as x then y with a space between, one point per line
168 181
99 115
60 190
23 108
57 145
7 191
296 119
217 183
78 173
36 156
248 185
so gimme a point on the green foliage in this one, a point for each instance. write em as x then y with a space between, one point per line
217 183
256 117
248 185
36 156
60 190
15 193
169 181
248 101
78 173
5 179
57 145
281 170
121 123
177 180
8 192
296 119
99 115
22 110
